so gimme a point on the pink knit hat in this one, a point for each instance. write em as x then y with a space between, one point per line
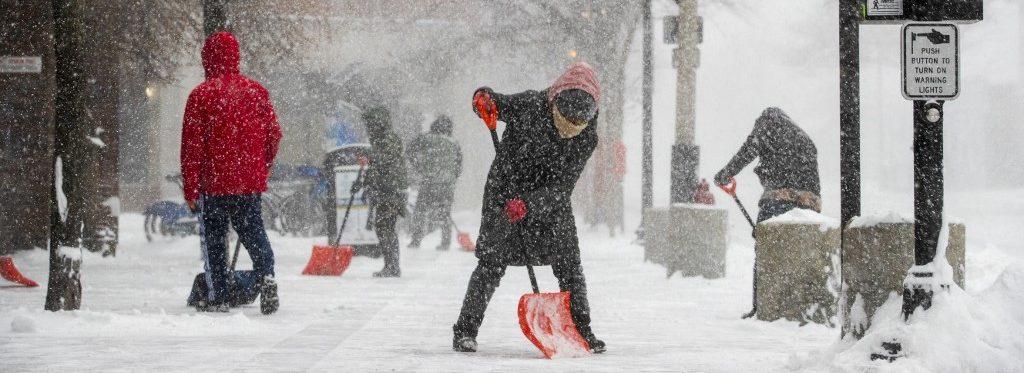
579 76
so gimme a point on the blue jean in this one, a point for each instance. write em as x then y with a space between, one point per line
243 213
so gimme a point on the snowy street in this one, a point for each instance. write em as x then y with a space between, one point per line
134 316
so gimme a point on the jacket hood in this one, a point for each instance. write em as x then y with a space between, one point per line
377 120
579 76
220 55
774 115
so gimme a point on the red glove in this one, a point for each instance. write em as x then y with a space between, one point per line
486 108
515 210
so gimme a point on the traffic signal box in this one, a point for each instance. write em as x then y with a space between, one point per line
898 11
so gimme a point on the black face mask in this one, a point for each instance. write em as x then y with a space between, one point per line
576 105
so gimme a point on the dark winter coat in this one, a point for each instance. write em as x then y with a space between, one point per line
386 179
230 134
788 157
535 164
436 159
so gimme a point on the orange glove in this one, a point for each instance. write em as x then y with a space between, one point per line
485 107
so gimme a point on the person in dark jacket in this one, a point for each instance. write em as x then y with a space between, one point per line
385 182
788 169
436 160
527 212
229 139
788 166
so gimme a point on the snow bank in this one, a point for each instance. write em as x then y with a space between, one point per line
962 332
871 220
804 216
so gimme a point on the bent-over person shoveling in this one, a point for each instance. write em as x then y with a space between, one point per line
788 170
527 215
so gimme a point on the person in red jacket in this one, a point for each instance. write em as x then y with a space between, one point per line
229 138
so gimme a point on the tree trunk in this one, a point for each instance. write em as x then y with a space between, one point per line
64 291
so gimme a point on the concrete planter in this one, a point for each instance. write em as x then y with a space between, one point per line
690 239
797 268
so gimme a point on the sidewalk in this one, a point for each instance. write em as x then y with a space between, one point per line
134 316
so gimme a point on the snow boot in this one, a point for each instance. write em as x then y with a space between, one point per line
597 346
269 301
464 344
10 273
388 272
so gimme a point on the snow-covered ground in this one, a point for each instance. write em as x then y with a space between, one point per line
134 317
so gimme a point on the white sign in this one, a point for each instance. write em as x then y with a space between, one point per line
21 64
931 61
884 8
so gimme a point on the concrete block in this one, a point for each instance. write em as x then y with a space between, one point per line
687 238
878 253
797 268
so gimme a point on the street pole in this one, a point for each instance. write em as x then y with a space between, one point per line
849 109
685 153
647 190
928 202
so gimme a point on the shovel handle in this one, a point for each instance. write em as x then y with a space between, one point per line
351 198
529 268
729 188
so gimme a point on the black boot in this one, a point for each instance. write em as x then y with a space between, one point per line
463 343
597 346
269 302
387 272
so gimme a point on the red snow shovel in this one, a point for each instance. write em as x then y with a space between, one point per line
545 318
465 241
10 273
332 259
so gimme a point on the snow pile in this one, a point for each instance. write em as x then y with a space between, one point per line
890 217
961 333
804 216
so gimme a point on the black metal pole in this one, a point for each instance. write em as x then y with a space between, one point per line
849 109
928 199
647 189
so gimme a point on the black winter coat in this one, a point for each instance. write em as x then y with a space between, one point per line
535 164
788 156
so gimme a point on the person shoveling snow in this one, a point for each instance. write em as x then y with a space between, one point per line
527 216
788 170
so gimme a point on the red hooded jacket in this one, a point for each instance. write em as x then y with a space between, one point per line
230 134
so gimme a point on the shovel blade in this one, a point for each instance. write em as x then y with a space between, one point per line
328 260
466 242
547 322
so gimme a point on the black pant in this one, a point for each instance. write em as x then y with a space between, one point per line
243 213
384 219
433 210
486 278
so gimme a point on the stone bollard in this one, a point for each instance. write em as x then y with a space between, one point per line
687 238
797 268
877 254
